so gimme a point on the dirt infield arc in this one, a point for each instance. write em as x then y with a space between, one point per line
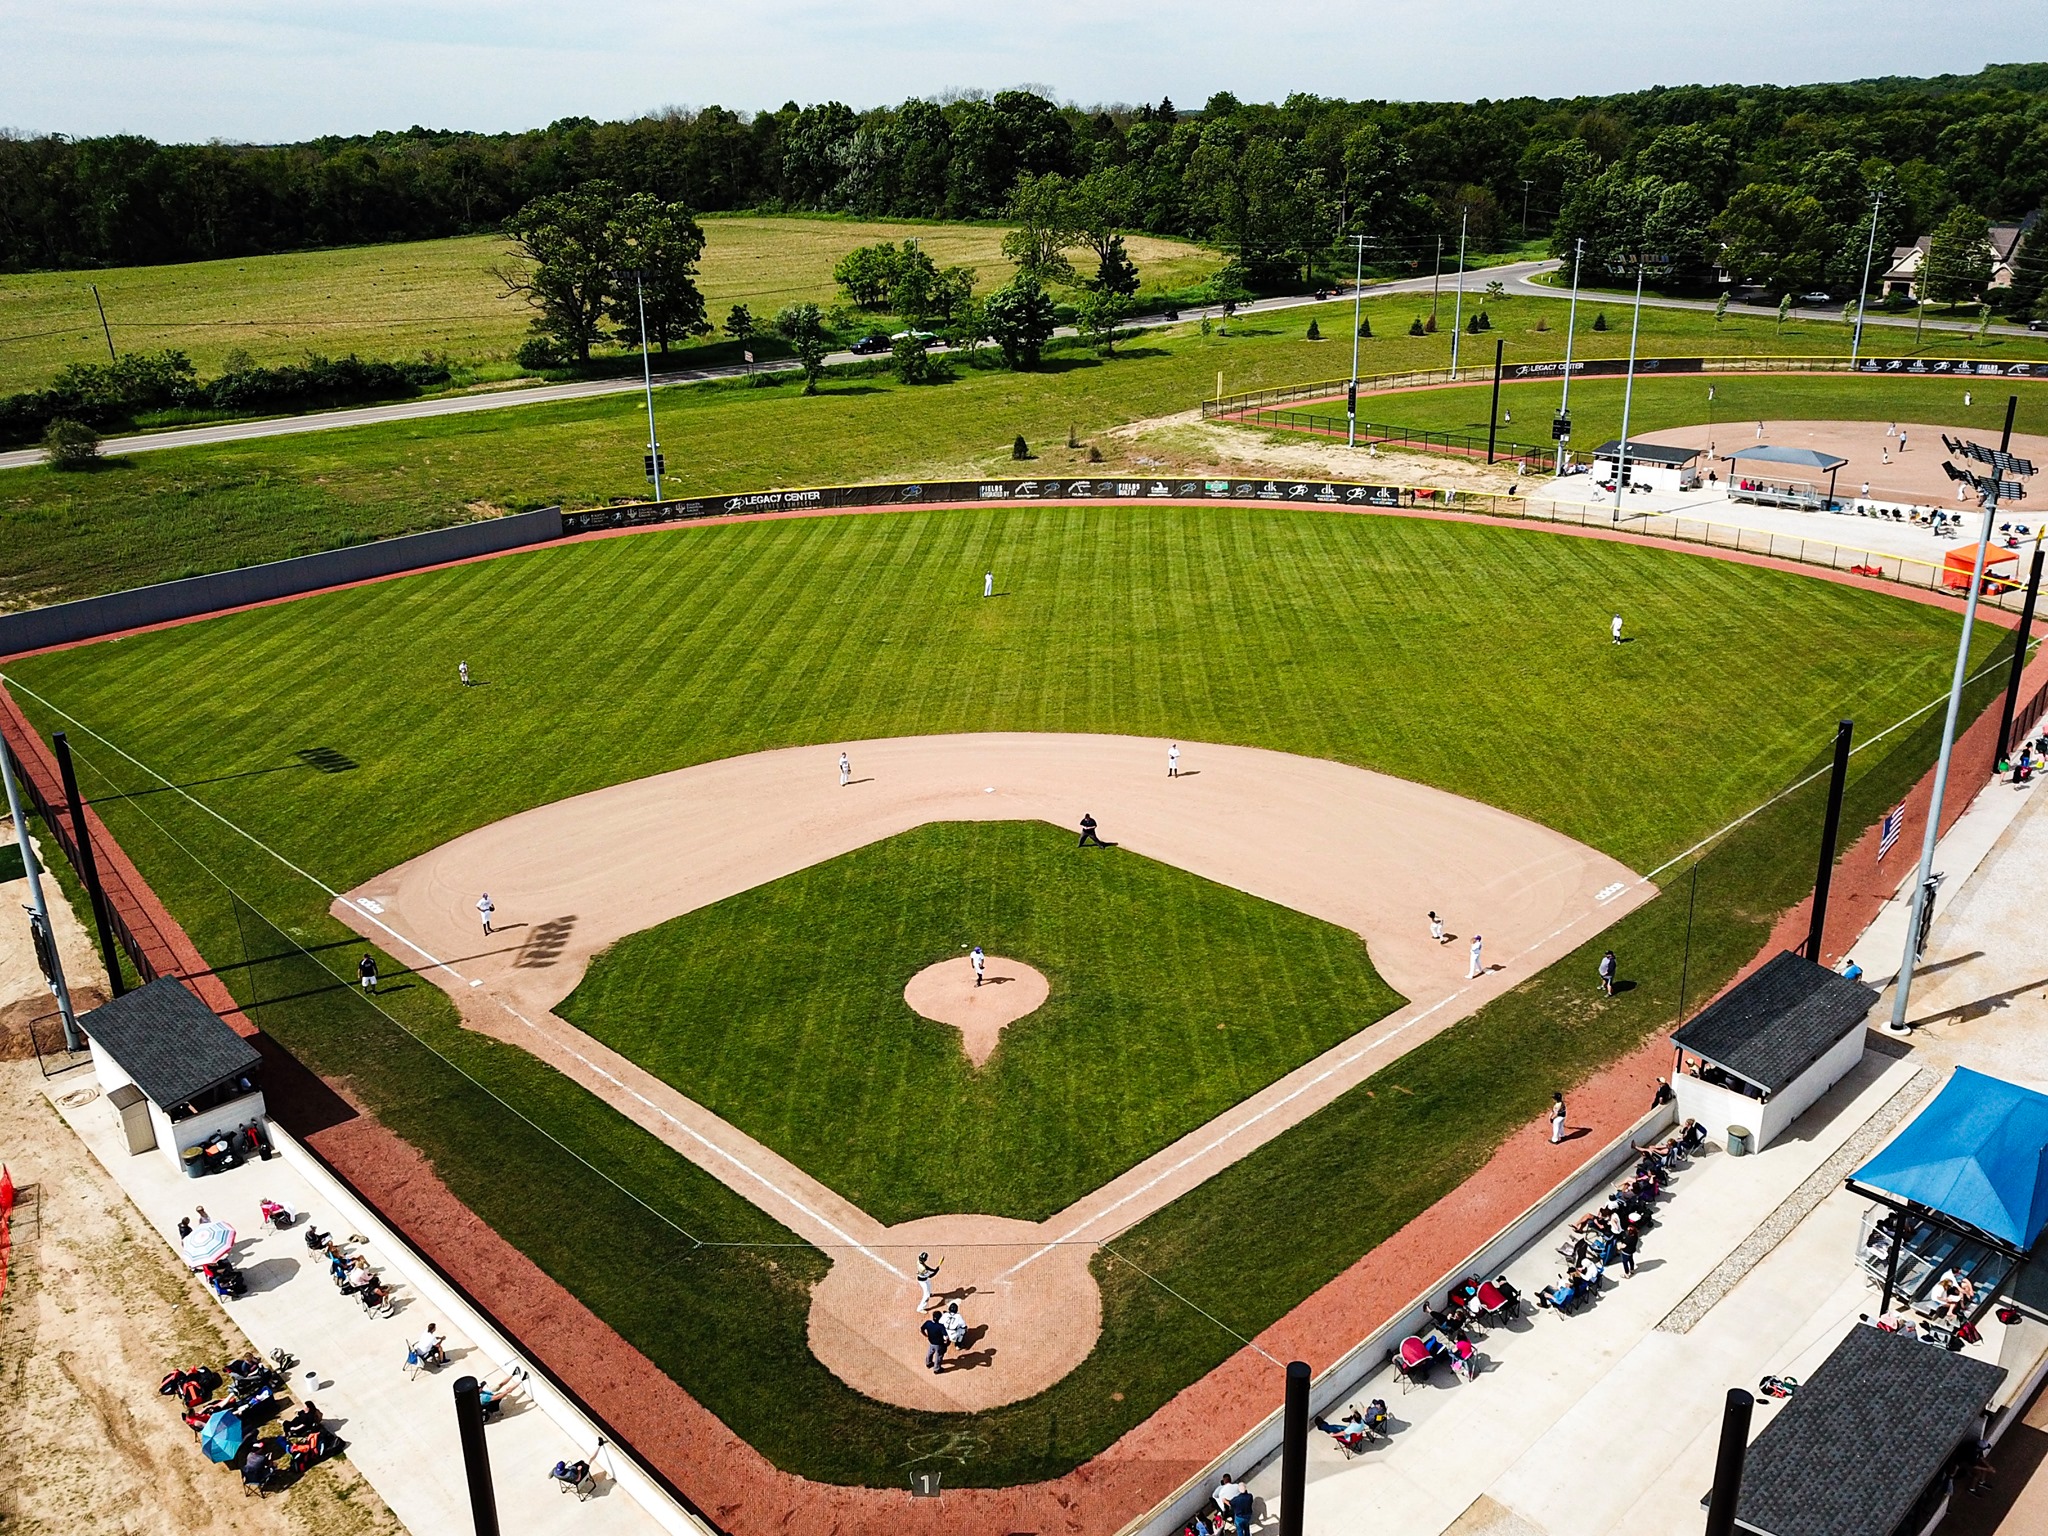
1368 852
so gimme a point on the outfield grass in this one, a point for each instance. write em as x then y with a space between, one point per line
1468 657
1740 400
1172 998
163 515
440 296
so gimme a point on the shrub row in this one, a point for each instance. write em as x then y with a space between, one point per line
111 395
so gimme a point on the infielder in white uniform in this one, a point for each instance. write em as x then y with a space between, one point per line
484 906
845 770
978 960
1477 970
1173 761
1436 929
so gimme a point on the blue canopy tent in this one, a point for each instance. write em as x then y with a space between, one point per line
1973 1164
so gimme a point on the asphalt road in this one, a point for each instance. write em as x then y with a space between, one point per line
1515 275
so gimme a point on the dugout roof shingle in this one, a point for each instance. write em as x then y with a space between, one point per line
1779 1022
1863 1437
1647 453
169 1042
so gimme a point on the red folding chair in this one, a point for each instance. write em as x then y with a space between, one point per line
1413 1360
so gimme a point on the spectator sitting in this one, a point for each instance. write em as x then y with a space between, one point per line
431 1347
307 1418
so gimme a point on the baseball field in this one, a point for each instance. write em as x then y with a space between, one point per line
259 765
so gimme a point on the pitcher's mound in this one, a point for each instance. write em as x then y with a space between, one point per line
947 994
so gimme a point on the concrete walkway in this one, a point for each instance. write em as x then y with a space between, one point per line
400 1430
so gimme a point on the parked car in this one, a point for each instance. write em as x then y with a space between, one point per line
1816 297
871 343
928 338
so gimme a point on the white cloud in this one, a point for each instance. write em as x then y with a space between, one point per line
267 70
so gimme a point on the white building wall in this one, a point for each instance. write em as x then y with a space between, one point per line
230 1116
1717 1108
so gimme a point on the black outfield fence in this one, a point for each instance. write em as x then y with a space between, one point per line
91 617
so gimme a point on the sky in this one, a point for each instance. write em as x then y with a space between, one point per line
270 71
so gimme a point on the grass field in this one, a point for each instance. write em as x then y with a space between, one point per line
439 295
1740 401
1468 657
1172 998
162 515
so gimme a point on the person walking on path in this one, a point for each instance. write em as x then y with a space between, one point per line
1088 832
1556 1118
845 770
462 671
1477 970
486 907
927 1272
1607 973
1615 629
1173 761
366 973
988 584
934 1333
1436 929
979 961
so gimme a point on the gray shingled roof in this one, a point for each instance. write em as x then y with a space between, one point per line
1779 1022
1647 453
169 1042
1866 1433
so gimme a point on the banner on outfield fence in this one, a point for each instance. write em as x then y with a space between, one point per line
1952 366
1342 493
1597 367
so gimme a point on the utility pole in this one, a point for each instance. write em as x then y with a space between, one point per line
1990 486
38 908
1627 396
105 329
647 376
1562 428
1458 312
1526 185
1436 278
1863 293
1351 395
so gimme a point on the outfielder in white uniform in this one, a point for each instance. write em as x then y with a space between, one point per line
988 584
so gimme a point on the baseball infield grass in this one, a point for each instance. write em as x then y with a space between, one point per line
781 1010
158 516
1472 658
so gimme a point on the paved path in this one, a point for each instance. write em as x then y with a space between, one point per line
1371 853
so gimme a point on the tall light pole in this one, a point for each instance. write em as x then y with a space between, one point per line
1357 298
1526 185
1989 486
1564 404
39 908
1458 313
647 377
1863 293
1628 391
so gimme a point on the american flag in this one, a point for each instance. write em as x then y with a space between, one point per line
1894 823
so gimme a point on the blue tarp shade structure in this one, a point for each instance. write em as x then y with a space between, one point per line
1978 1153
1804 458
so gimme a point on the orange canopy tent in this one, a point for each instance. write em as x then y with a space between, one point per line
1959 564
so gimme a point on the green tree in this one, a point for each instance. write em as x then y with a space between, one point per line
913 362
1041 209
1775 235
1099 314
1115 272
1019 319
913 291
951 293
662 243
1100 207
70 445
803 328
569 247
867 273
741 325
2029 275
1959 258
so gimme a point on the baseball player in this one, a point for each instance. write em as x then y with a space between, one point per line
1436 929
979 961
988 584
1477 970
1173 761
366 973
1616 628
845 770
485 906
927 1272
462 671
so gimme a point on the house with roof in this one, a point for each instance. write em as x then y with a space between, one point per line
2006 239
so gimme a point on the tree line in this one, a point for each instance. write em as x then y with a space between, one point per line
1778 173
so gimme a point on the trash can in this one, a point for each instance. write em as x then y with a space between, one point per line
194 1159
1739 1144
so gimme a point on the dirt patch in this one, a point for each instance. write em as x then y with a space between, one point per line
96 1312
946 993
1187 446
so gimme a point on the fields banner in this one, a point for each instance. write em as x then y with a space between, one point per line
1952 366
954 492
1598 367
